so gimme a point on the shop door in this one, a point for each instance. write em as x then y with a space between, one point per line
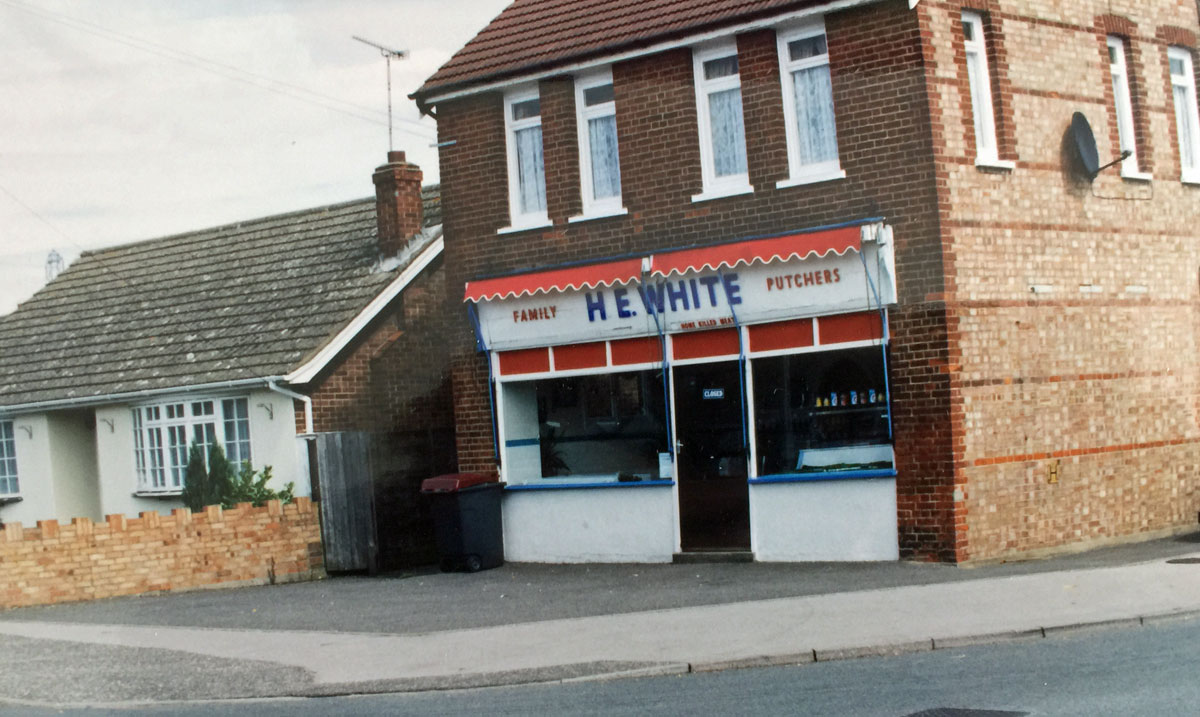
714 501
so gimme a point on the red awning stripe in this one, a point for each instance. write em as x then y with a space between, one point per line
572 278
802 246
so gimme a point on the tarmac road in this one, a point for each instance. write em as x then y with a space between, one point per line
1118 671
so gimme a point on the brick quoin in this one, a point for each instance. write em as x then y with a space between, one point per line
991 383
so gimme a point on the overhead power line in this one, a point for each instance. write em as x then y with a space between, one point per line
230 72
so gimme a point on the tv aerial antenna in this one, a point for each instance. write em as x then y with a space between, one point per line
388 53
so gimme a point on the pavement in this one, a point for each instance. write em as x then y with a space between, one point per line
538 623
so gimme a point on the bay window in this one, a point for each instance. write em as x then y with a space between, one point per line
8 460
719 118
164 433
526 166
808 103
599 159
1187 125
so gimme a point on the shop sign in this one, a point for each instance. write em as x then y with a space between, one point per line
694 301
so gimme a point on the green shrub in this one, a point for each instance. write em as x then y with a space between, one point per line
221 483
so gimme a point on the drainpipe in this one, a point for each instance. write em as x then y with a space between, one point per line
307 400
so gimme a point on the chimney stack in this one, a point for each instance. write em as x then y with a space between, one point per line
398 206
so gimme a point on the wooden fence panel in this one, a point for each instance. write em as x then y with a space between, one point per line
347 501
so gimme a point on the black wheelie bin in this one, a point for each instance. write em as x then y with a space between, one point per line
465 508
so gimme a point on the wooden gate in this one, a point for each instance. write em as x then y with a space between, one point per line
347 501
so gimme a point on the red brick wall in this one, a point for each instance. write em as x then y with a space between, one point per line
395 376
55 563
883 117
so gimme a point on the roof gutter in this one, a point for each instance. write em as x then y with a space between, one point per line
426 101
83 402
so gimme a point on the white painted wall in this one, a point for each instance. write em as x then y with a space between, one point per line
834 520
73 465
273 440
32 444
114 458
590 525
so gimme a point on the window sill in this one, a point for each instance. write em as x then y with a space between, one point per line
6 499
535 224
607 214
1137 176
158 494
1193 179
814 178
1003 165
827 476
605 484
723 192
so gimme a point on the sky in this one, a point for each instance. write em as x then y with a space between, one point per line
125 120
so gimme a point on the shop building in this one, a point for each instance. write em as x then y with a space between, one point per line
823 280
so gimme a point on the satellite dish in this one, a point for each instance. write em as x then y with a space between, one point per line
1085 144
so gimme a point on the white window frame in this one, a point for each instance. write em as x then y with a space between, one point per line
518 218
1123 105
1189 174
798 172
592 207
714 186
10 485
987 145
153 423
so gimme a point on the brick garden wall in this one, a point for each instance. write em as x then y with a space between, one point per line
1078 405
84 560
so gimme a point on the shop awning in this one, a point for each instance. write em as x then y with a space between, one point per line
783 248
571 278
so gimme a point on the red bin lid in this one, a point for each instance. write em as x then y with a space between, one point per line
452 482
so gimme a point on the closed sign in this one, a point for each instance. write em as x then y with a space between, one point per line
714 393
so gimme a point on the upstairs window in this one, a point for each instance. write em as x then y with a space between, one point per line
1187 125
1123 104
599 159
980 81
164 433
526 168
719 117
8 460
808 103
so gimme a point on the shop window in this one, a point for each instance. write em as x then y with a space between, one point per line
719 119
526 166
821 412
808 102
595 428
8 460
1187 124
1123 104
599 159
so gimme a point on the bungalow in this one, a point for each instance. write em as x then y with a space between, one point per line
252 335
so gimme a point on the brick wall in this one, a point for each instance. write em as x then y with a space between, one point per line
55 563
1076 418
879 75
